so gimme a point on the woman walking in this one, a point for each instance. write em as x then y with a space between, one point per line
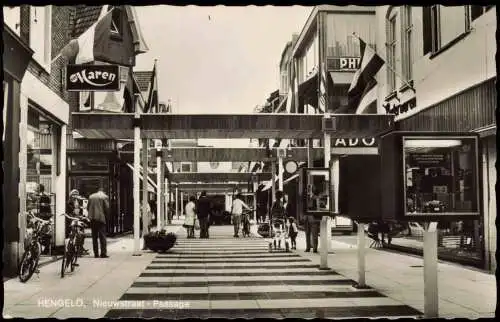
189 220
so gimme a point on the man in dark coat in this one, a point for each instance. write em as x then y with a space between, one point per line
203 212
98 208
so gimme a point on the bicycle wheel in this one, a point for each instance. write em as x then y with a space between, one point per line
63 261
26 266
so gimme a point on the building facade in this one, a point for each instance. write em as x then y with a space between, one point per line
37 119
439 75
421 53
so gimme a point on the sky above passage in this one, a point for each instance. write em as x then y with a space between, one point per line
218 60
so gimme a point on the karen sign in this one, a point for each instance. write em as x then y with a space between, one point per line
92 78
343 63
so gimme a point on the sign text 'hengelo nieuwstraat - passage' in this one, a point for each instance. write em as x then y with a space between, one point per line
92 78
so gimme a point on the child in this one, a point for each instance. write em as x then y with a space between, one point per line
292 232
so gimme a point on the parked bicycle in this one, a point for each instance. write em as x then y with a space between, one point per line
73 246
36 231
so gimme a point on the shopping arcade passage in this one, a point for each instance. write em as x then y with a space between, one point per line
217 126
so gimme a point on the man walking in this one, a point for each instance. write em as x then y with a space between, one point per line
203 207
98 208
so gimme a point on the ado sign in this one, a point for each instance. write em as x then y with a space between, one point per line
92 78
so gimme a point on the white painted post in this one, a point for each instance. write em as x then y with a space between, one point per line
137 155
323 243
145 185
361 256
61 191
326 231
431 297
158 185
165 204
255 187
182 203
273 179
280 172
177 202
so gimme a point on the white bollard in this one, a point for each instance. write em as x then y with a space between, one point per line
361 256
324 243
431 297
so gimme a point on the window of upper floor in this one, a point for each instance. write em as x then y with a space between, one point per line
445 25
116 28
391 47
12 18
406 43
284 82
186 167
40 35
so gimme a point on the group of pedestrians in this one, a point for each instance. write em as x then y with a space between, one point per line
197 214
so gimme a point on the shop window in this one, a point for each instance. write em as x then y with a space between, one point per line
441 176
86 101
442 25
88 163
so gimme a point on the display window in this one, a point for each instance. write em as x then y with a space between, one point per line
318 191
441 176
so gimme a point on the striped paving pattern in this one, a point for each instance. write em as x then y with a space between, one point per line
239 278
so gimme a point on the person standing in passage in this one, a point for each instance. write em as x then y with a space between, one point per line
190 211
203 211
312 224
145 221
293 232
236 212
98 208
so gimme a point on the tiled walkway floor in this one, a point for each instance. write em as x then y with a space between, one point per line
231 278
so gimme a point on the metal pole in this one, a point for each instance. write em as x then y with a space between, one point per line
182 203
361 256
137 153
158 190
431 297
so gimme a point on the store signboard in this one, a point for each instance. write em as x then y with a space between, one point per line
355 146
335 64
92 78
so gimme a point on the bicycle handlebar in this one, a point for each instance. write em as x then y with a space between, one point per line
45 221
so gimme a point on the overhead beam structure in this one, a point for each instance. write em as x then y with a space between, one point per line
259 125
210 154
209 177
